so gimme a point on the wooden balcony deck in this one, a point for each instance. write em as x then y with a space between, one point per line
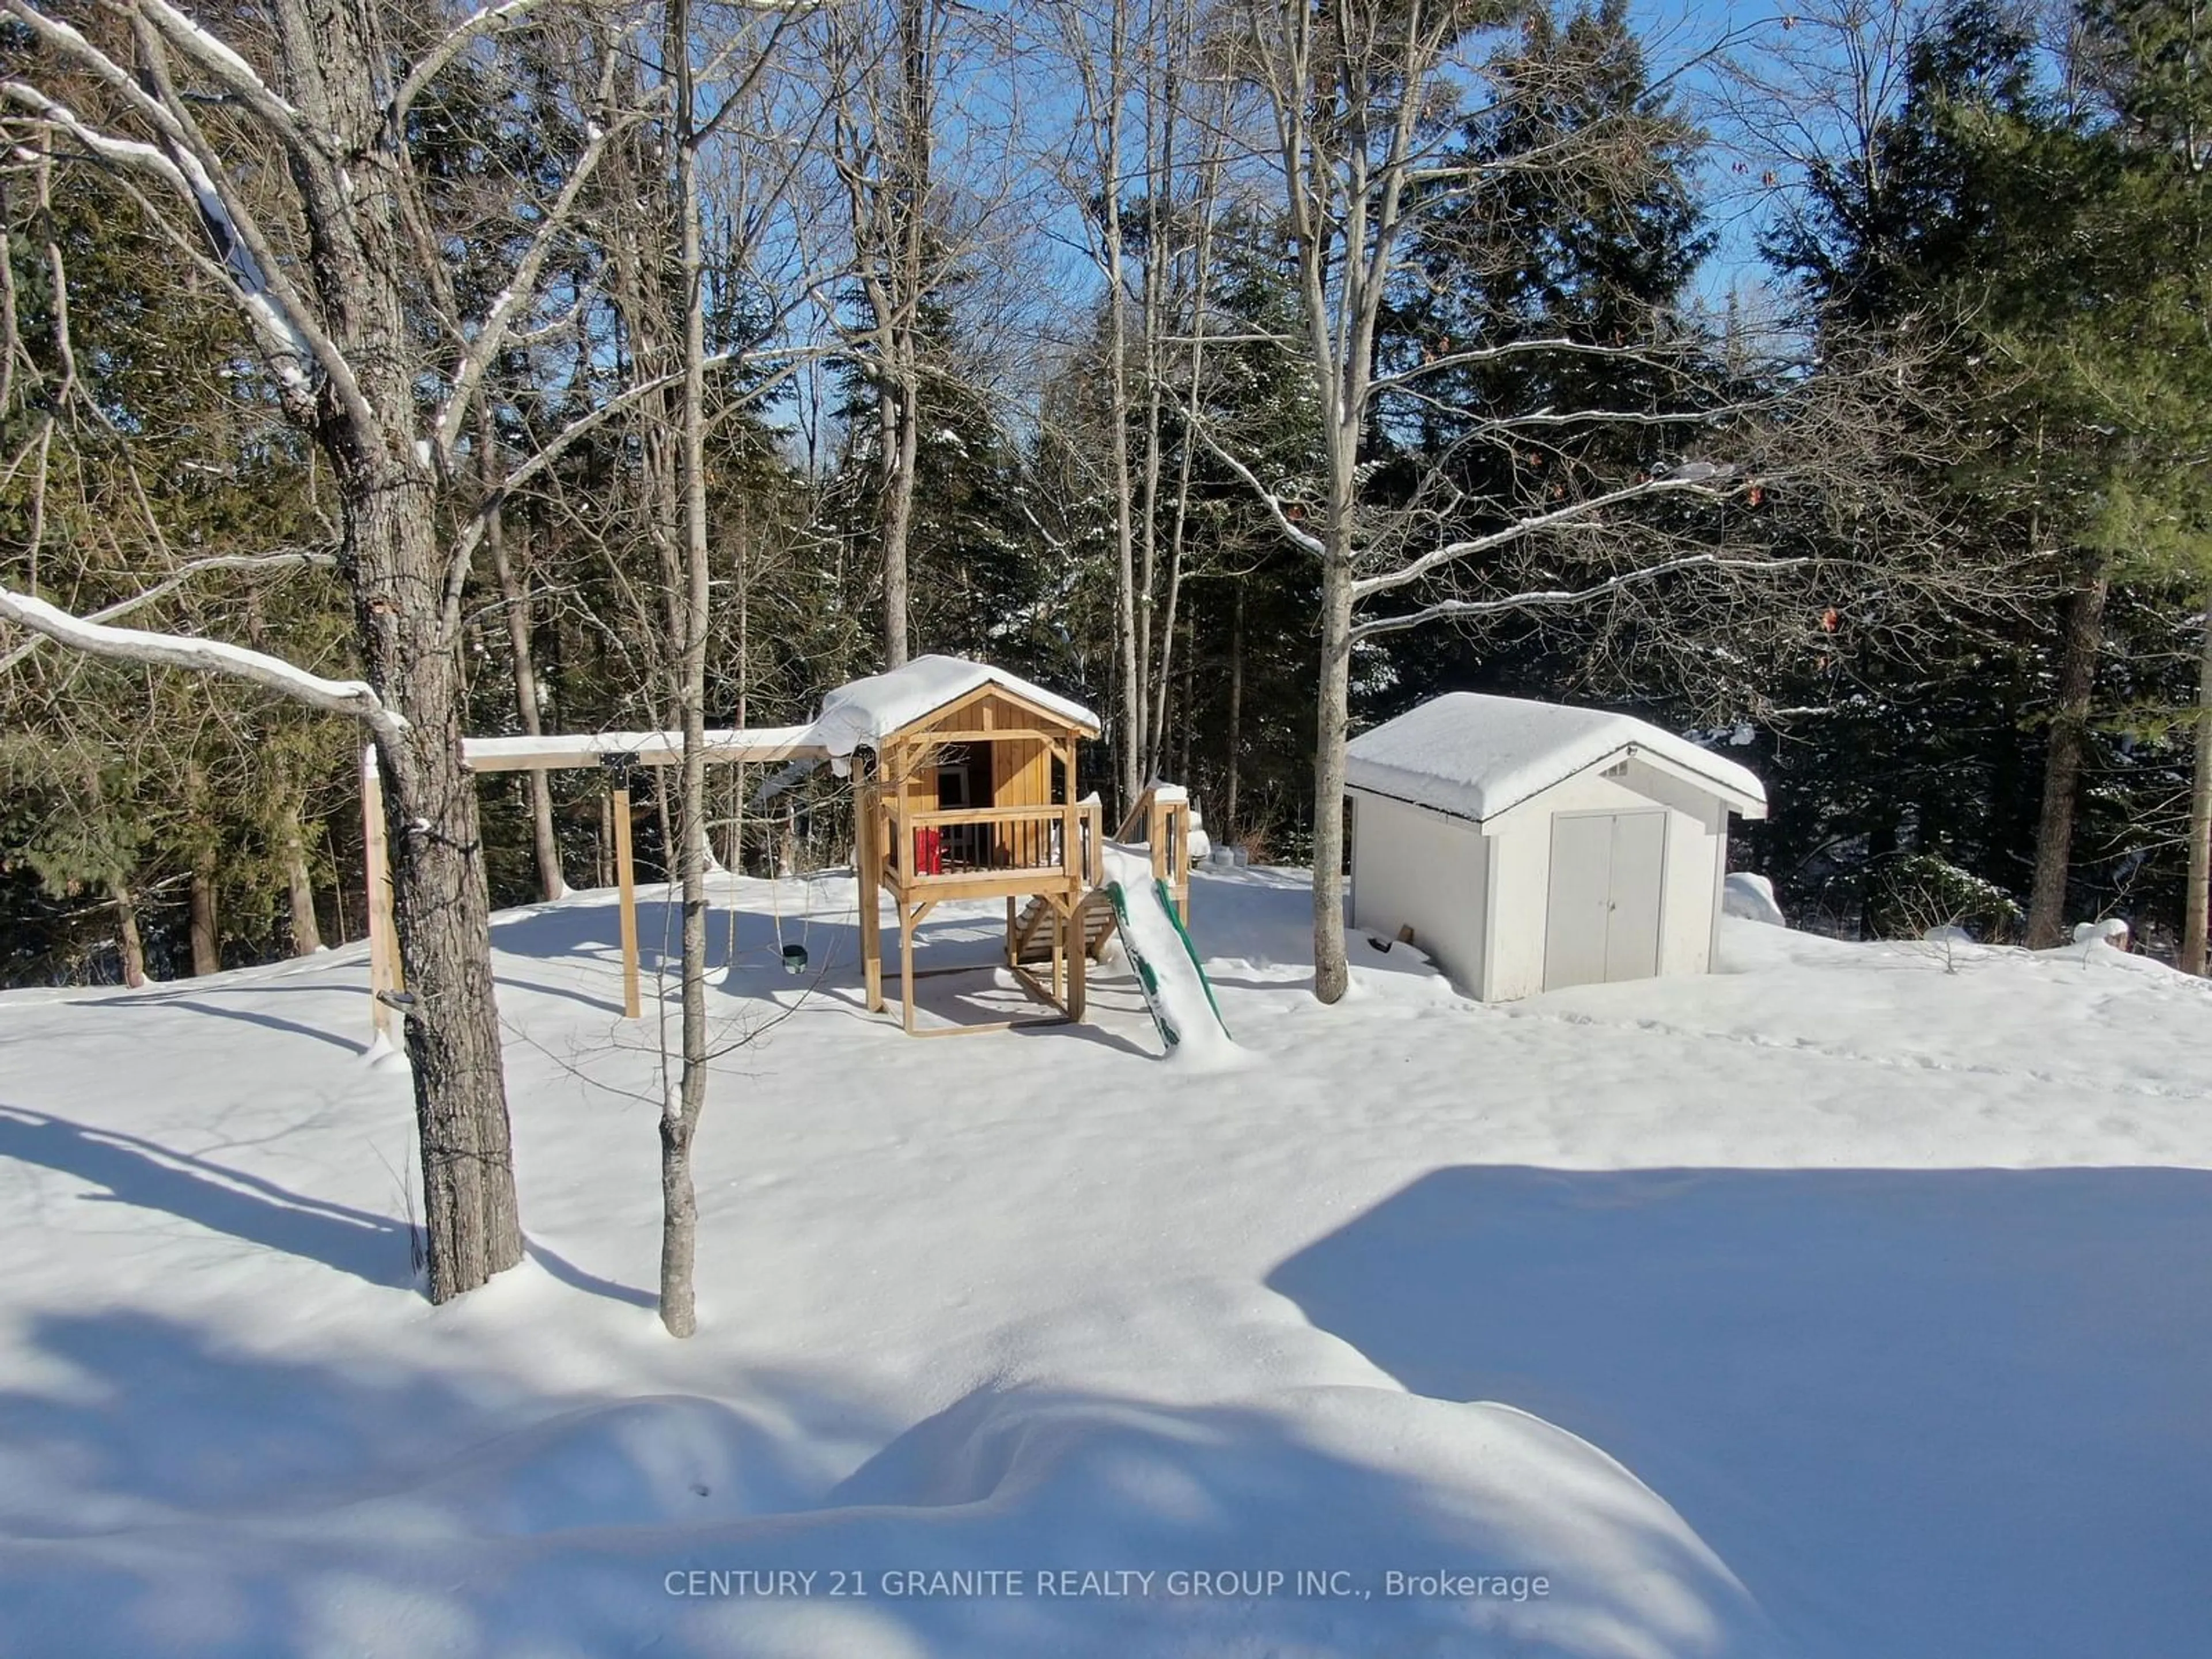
1053 855
985 852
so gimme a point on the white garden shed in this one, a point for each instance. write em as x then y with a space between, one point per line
1531 845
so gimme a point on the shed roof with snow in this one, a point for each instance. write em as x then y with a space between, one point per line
1529 846
1476 757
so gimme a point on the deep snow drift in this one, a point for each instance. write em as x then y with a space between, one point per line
1854 1302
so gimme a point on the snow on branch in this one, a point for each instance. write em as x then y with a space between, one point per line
285 342
1472 354
256 562
236 75
119 152
1551 597
68 42
353 697
1302 537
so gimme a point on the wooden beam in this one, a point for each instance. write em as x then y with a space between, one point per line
384 969
626 884
939 815
1077 961
988 884
1030 983
559 753
906 966
866 839
986 735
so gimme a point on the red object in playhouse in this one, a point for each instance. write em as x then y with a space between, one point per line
929 852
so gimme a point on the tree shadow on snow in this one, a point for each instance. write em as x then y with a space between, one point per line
139 1172
578 1279
132 1170
198 1000
1919 1412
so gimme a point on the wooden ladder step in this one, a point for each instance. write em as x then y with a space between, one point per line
1097 913
1033 939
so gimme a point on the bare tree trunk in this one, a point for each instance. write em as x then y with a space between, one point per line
885 166
899 433
1229 819
680 1120
515 595
1187 704
2069 743
602 867
1133 734
128 945
1332 970
206 936
665 821
440 907
1201 264
300 891
1152 680
2198 899
350 180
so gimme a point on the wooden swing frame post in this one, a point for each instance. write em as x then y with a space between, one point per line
385 977
626 885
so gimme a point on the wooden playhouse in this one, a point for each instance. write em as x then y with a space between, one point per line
963 787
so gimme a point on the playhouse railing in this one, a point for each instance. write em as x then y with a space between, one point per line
949 846
1160 817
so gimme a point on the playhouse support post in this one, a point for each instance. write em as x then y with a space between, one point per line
626 884
1060 922
383 971
906 965
1078 958
870 851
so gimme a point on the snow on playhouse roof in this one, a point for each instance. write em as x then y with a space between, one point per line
1475 756
863 713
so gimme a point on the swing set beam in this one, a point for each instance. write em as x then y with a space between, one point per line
616 753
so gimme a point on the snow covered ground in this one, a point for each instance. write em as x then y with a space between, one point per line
1855 1302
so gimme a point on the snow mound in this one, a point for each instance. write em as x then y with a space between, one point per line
1207 1513
675 1461
1751 897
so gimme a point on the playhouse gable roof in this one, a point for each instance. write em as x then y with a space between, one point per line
863 713
1476 757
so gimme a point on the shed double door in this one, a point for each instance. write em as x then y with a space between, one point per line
1602 920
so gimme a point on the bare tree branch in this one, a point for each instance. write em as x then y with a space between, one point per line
1547 598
